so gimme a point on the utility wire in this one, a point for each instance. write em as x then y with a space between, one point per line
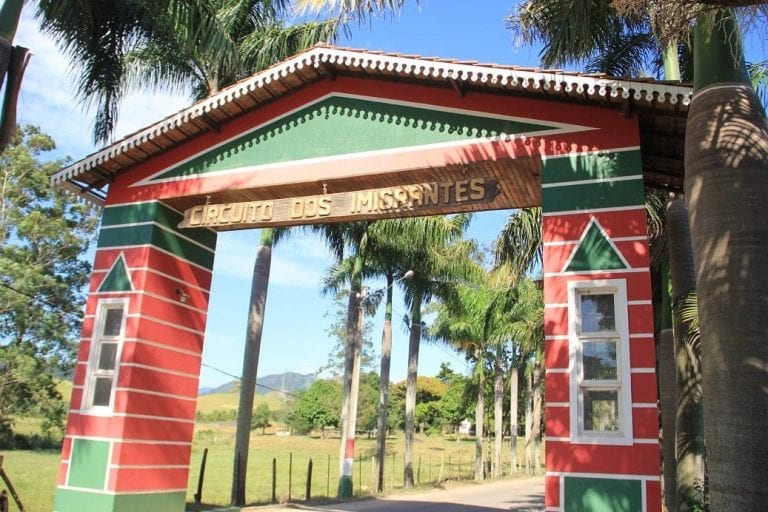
55 307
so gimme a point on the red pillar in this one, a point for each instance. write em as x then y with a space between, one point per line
131 419
601 419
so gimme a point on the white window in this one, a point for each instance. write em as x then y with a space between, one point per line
601 400
105 353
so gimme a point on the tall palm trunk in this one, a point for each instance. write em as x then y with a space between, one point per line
353 354
667 395
726 180
479 413
386 354
689 427
259 287
514 385
498 411
538 411
528 420
411 381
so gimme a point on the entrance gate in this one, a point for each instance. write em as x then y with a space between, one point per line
335 134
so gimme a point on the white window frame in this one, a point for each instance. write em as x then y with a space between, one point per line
624 434
97 338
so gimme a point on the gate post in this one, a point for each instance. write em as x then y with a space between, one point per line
131 419
601 423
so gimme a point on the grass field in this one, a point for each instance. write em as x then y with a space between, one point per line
33 473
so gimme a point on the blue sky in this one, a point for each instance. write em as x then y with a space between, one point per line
294 333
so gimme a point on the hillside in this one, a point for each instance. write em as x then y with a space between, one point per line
289 382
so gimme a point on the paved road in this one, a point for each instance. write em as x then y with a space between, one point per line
517 495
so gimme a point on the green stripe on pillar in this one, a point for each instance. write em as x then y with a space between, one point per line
70 500
154 212
589 196
591 166
160 238
602 495
341 125
88 463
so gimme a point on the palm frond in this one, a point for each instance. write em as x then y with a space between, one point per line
519 245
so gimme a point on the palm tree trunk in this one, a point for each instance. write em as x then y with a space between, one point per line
528 422
498 411
689 427
410 392
514 385
667 395
353 355
259 289
726 157
538 414
386 354
479 413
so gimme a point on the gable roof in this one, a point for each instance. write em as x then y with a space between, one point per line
661 107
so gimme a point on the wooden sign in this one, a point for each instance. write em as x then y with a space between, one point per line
401 201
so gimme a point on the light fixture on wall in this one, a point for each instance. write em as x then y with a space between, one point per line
182 295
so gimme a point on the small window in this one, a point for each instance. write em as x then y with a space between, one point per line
600 395
102 369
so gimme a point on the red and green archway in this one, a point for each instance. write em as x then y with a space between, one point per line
333 135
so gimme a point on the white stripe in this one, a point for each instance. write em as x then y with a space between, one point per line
558 404
156 248
613 476
643 370
644 405
169 324
160 370
641 335
173 278
595 180
556 305
156 393
147 466
555 337
175 302
560 243
640 303
142 341
152 418
562 439
646 441
552 509
594 272
594 210
130 441
114 493
556 370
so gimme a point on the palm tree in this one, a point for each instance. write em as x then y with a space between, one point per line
436 265
726 155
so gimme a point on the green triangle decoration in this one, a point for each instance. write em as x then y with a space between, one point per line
117 279
595 252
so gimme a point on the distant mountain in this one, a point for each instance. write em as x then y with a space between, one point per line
289 382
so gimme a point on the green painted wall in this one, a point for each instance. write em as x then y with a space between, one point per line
591 166
602 495
340 125
588 196
117 279
69 500
88 463
595 252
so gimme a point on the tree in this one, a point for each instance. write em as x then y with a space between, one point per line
262 415
317 407
42 278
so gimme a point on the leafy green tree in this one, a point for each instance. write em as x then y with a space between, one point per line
262 415
337 331
455 405
43 236
317 407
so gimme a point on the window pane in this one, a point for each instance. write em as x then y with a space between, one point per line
102 389
599 358
107 356
597 313
601 410
113 321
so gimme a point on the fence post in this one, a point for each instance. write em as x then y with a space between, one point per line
418 471
290 474
274 480
201 477
459 474
328 479
309 481
429 468
393 472
374 476
449 467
